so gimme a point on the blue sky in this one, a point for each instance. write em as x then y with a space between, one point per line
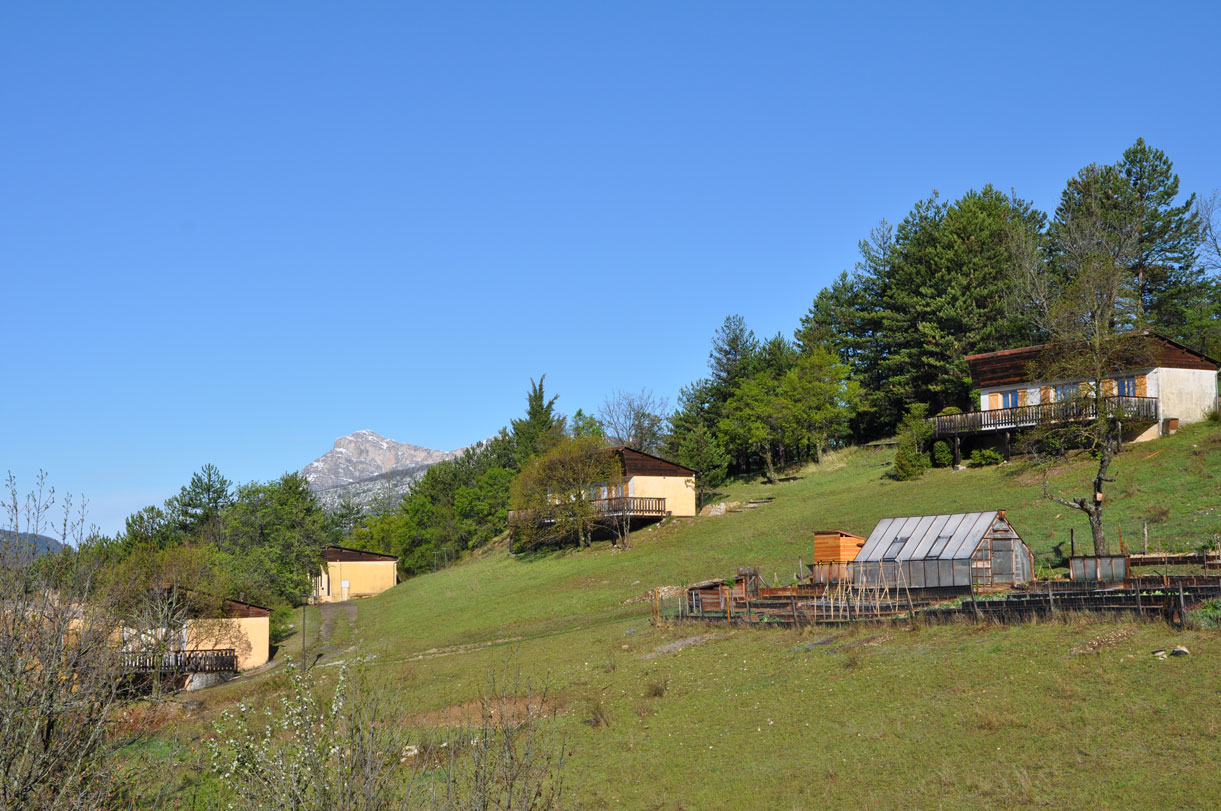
232 233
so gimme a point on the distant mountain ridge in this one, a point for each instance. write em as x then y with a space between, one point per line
24 546
364 467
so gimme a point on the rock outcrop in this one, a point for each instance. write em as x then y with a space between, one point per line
367 455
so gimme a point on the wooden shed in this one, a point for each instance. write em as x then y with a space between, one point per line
836 546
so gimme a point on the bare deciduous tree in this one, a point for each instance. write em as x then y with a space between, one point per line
1087 303
61 675
636 419
1208 209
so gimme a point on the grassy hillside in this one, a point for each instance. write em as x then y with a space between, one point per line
1063 714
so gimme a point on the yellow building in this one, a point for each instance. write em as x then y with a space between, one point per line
653 484
244 627
213 641
350 573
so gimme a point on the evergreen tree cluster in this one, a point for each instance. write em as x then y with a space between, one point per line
259 542
990 272
764 405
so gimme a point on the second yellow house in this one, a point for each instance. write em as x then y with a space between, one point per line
351 573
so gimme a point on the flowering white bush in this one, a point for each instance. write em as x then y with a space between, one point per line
351 754
309 753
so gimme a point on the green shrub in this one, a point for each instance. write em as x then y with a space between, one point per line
910 461
1208 615
1214 415
948 411
279 623
943 455
982 457
911 458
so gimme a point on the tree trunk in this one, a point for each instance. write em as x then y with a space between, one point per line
1100 540
771 471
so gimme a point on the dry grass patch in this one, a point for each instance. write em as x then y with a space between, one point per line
514 709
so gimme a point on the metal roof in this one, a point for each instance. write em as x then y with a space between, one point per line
929 537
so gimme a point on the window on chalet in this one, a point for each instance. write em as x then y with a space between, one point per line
1009 399
1065 391
1125 386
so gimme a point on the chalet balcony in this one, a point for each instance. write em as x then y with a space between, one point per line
631 507
618 507
222 660
1125 409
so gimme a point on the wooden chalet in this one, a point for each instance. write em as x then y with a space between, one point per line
651 486
351 573
1178 386
234 638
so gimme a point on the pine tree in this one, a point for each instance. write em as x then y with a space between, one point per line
948 295
1168 279
201 501
734 356
701 452
847 319
541 428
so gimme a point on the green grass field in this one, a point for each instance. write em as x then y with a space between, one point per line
1060 714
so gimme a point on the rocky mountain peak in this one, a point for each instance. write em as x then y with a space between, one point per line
366 455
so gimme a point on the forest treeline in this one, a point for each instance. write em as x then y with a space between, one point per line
1124 249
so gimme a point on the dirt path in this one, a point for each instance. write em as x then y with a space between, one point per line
332 613
324 650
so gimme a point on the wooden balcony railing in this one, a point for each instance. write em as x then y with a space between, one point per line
223 660
629 506
635 506
1127 409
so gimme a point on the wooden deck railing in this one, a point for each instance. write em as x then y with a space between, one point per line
631 505
1128 409
223 660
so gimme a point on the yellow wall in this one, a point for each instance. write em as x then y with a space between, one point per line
249 636
365 577
678 491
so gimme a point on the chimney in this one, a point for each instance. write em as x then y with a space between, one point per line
1000 514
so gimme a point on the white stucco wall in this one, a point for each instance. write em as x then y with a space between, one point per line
1187 394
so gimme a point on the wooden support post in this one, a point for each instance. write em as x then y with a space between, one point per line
1118 437
1072 542
957 450
1008 450
1146 536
